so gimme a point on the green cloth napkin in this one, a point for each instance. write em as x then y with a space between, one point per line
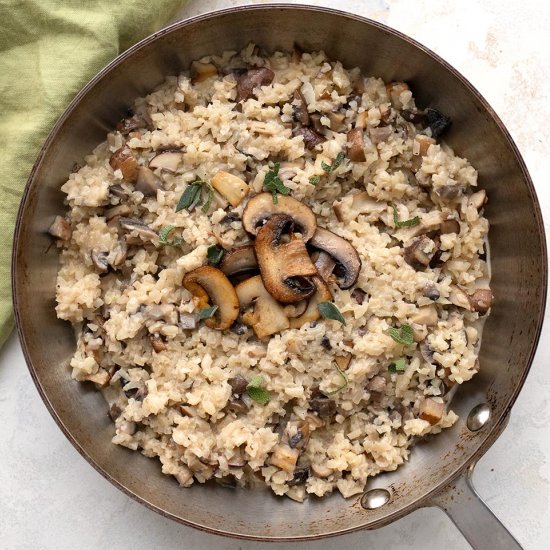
48 50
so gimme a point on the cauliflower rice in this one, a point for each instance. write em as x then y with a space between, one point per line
170 388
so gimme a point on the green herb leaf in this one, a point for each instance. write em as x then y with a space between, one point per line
214 254
209 196
407 223
398 365
403 335
344 383
274 184
163 236
328 168
256 392
207 312
314 180
329 311
190 197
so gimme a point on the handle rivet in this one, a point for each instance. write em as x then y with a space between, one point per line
478 417
375 498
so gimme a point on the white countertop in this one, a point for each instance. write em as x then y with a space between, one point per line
51 498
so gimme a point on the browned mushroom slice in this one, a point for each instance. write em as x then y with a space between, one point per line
450 226
296 309
261 207
253 78
147 182
123 210
311 314
168 160
325 265
481 300
60 229
284 457
301 114
351 206
268 316
337 121
431 410
124 160
286 267
316 123
202 71
311 138
208 286
233 188
239 261
420 253
139 228
348 261
356 148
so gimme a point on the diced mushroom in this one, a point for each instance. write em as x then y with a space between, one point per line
284 457
118 191
120 210
394 91
323 406
450 226
362 120
311 314
431 410
337 121
351 206
268 316
261 207
426 351
421 144
157 342
99 259
358 295
300 476
481 300
231 187
124 160
316 123
377 384
239 261
298 434
209 285
343 361
419 253
202 71
137 227
253 78
380 134
355 145
311 138
320 470
426 315
130 124
289 169
459 298
198 467
300 111
477 200
188 321
449 192
325 265
347 258
184 476
168 160
431 291
286 267
118 254
238 384
147 182
237 406
60 229
437 122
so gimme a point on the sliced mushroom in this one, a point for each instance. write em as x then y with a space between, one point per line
394 91
337 121
311 138
477 200
139 228
301 114
284 457
124 160
147 182
99 259
233 188
459 298
297 434
481 300
295 310
210 286
431 291
426 315
268 316
431 410
118 191
130 124
120 210
157 342
343 361
168 160
261 207
239 261
358 294
380 134
311 314
355 145
421 144
419 253
316 123
325 265
426 351
60 229
238 384
237 406
351 206
253 78
450 226
286 267
118 254
202 71
289 169
323 406
347 258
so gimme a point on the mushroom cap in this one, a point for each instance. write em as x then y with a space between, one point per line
322 294
286 268
239 261
209 285
261 207
342 251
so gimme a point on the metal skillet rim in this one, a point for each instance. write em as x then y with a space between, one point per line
484 444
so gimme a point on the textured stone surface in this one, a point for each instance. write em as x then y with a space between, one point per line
51 498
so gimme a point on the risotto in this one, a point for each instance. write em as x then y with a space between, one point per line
276 273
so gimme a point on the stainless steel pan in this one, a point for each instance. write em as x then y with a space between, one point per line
438 472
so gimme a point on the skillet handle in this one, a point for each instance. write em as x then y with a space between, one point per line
479 526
